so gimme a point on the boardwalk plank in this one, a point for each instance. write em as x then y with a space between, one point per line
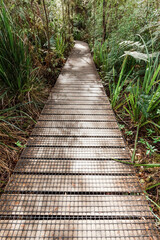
73 205
77 111
72 124
78 229
76 153
64 166
75 141
76 132
73 183
85 117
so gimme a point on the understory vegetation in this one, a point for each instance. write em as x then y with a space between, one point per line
124 38
34 42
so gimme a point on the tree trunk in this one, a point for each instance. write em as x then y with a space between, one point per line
72 15
62 4
47 25
104 21
94 12
69 29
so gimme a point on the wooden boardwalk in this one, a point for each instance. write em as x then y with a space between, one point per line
67 184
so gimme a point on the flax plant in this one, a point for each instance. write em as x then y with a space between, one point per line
143 100
15 62
117 88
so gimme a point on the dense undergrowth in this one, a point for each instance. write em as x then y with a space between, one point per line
34 43
124 37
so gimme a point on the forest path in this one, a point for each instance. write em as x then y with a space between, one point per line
67 184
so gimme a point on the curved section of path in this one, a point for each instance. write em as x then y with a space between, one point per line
68 184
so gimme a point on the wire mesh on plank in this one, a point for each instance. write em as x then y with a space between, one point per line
103 167
78 70
75 205
77 98
77 102
80 94
78 229
84 74
76 111
76 77
75 141
78 85
79 107
76 153
72 124
73 183
76 132
79 82
69 78
80 89
95 118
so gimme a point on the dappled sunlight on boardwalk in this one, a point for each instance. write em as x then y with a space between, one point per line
72 180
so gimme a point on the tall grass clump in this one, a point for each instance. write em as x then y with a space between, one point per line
60 46
15 62
117 87
143 99
100 55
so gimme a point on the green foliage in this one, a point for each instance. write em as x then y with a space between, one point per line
19 144
79 22
121 126
60 46
15 63
116 87
132 31
143 100
34 39
156 139
129 133
100 55
150 132
150 148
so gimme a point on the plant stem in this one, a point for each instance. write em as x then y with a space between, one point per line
153 202
135 143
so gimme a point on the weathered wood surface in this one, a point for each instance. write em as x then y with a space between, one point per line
68 184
